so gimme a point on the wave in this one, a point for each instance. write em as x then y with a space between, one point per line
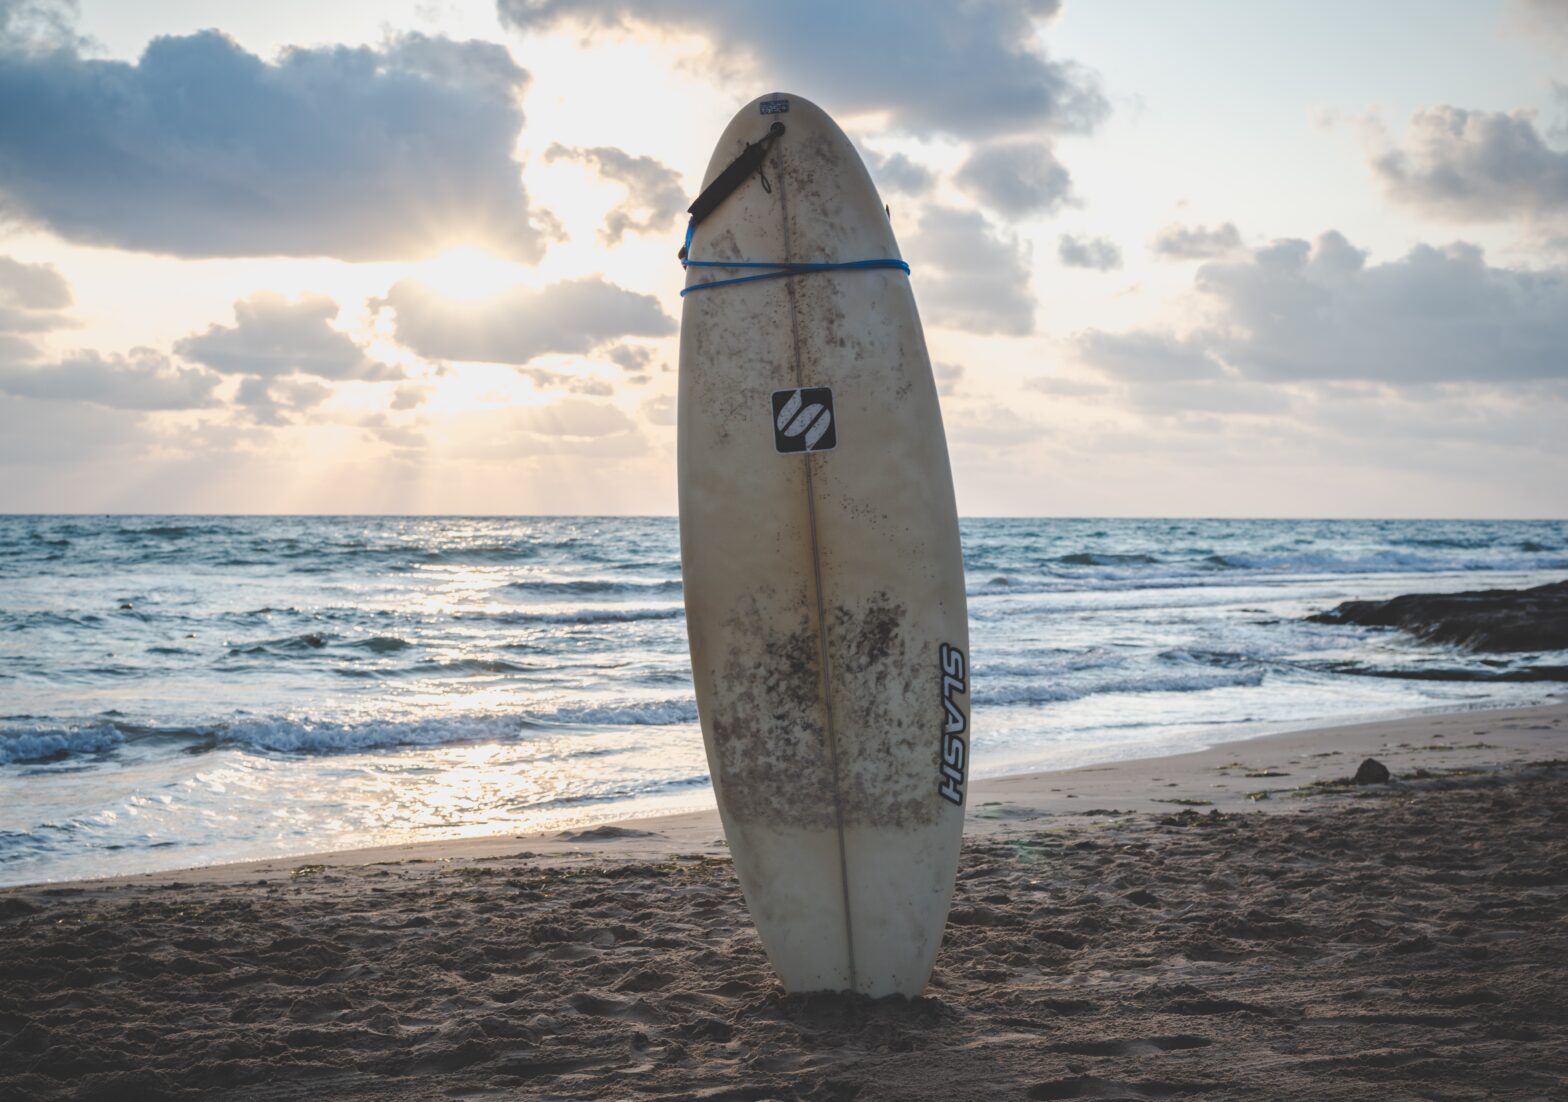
643 713
1120 571
1046 691
468 665
1434 673
306 643
305 735
382 644
579 615
26 747
580 586
1099 558
25 621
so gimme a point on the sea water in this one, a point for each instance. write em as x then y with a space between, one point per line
177 691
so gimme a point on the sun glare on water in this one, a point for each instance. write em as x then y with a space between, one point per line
469 273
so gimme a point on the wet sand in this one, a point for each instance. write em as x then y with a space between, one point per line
1226 924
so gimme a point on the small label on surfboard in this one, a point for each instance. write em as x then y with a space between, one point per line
803 420
955 749
773 106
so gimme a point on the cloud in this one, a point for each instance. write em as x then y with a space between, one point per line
1475 166
970 69
654 195
32 286
947 376
144 380
969 276
576 384
1297 312
1543 22
897 173
402 438
275 337
1197 242
994 429
659 409
1018 179
46 437
1149 356
631 358
517 325
271 401
38 25
410 396
1058 387
1096 253
574 417
32 298
201 148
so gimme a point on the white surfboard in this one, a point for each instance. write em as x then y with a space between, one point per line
823 580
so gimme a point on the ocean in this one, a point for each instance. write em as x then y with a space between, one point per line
179 691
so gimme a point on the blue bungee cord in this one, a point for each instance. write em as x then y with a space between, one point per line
737 173
775 269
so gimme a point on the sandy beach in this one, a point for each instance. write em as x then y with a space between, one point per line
1233 923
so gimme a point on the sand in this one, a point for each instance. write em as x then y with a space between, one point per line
1152 929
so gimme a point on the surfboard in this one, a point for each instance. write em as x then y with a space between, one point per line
823 579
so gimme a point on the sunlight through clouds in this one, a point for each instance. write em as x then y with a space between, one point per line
284 241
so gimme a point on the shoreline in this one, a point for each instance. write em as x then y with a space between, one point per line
1224 777
1134 930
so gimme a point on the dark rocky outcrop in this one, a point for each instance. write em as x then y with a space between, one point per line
1484 620
1372 771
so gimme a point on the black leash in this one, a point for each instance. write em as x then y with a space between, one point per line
739 170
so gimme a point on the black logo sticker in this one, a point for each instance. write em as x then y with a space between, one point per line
803 420
773 106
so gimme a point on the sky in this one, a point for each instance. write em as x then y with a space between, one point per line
414 256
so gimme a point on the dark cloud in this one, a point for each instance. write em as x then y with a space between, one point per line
1300 312
1096 253
967 69
39 25
1017 179
144 380
897 173
273 337
518 325
203 149
654 195
1476 166
970 276
1197 242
